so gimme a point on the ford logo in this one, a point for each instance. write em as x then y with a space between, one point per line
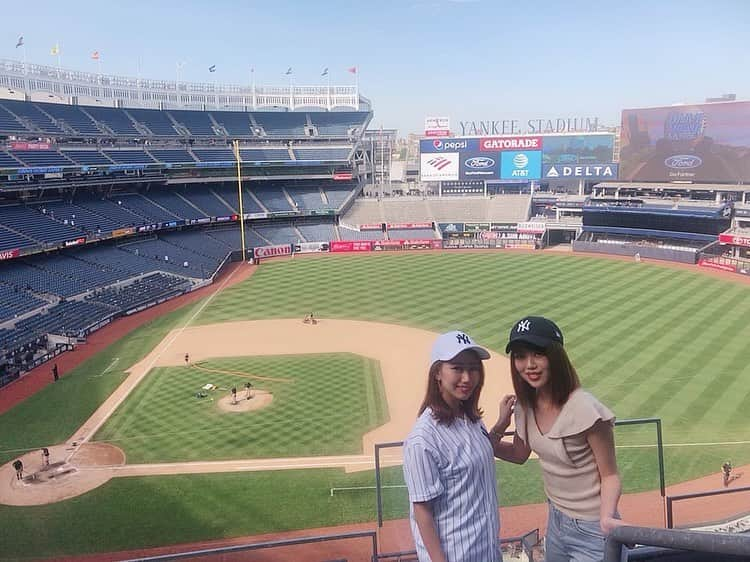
479 162
682 161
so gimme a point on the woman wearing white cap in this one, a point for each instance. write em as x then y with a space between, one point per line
449 465
572 434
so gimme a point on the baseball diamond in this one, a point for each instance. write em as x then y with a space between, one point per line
326 377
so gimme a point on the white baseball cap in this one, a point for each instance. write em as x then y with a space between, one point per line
448 345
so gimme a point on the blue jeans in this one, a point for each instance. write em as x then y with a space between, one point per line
572 540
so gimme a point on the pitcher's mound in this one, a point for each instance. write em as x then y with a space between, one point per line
260 399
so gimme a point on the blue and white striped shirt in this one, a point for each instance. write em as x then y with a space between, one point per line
453 467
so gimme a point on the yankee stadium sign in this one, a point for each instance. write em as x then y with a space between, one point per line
531 127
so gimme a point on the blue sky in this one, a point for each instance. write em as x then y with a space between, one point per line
467 59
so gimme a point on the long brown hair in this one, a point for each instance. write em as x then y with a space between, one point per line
563 379
440 410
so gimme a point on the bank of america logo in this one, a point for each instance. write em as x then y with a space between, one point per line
439 162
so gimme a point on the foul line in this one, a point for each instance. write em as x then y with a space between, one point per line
238 373
713 444
170 341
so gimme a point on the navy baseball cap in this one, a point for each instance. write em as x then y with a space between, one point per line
534 330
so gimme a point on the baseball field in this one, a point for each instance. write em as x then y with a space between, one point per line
181 463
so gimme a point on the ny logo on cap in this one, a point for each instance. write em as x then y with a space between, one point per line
463 338
523 326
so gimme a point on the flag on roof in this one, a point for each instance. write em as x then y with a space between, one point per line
352 69
288 71
95 55
212 68
20 41
55 50
325 72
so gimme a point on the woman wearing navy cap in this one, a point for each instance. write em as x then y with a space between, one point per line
449 467
572 434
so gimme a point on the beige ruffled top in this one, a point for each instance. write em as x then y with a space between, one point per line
571 477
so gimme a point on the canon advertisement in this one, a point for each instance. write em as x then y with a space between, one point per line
700 143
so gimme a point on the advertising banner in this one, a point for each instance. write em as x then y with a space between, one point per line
272 251
342 176
532 227
715 265
311 247
409 225
479 165
594 171
122 232
9 254
427 146
75 242
381 245
497 144
521 165
734 240
476 226
701 143
351 246
451 226
439 167
373 226
422 244
437 127
19 145
579 149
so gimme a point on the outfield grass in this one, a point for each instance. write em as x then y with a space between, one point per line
648 340
163 421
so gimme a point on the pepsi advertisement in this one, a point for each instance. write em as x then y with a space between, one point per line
708 143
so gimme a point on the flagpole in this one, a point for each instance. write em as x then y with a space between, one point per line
252 85
328 75
59 59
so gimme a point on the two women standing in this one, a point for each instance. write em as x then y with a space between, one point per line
451 477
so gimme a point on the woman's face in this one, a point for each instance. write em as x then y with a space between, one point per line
533 366
459 377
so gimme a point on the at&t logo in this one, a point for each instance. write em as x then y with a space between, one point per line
520 161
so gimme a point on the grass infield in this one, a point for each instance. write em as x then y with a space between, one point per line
163 421
648 340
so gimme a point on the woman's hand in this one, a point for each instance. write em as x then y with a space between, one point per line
507 405
608 524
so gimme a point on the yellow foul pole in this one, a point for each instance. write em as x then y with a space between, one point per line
236 145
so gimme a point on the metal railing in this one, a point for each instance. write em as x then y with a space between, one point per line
372 535
693 541
672 499
636 421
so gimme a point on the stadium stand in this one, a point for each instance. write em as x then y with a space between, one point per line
113 119
9 123
171 155
32 116
42 158
339 124
279 234
207 201
214 155
156 122
272 197
228 193
322 153
150 289
36 225
87 157
170 200
15 302
144 207
7 161
281 124
234 123
71 117
197 123
265 155
317 232
129 156
307 197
